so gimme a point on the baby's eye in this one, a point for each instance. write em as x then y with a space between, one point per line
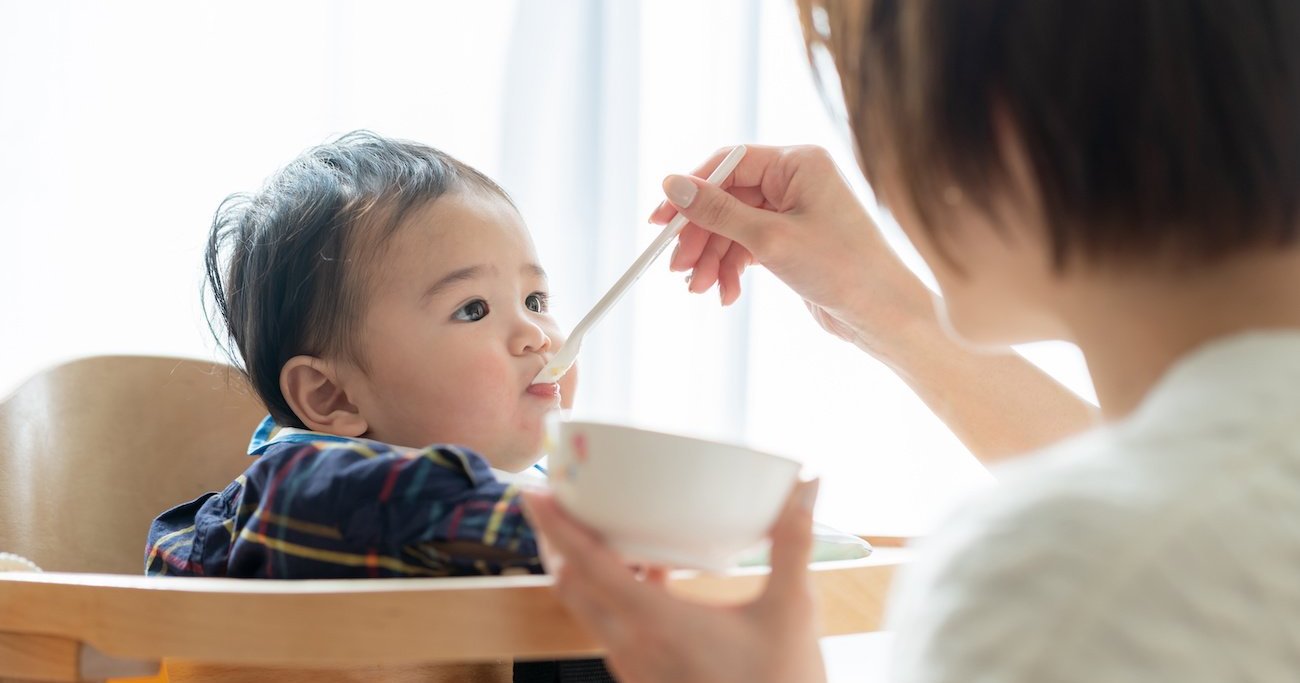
538 302
472 311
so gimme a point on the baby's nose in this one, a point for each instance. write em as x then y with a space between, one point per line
531 338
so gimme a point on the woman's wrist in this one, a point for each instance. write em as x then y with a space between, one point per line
896 324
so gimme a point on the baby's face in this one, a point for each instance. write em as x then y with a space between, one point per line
454 330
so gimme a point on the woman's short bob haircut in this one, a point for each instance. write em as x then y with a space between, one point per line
287 265
1154 129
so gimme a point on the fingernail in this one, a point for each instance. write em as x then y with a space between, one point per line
651 217
673 259
808 494
680 191
722 294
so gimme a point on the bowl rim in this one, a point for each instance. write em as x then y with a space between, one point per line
700 440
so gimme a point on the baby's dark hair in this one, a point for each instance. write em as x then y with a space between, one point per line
284 264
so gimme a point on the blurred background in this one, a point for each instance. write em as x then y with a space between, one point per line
124 124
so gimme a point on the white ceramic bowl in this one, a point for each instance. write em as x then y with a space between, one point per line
666 499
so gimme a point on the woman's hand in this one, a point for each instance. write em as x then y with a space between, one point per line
652 636
790 210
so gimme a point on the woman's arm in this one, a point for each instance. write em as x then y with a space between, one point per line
790 210
998 404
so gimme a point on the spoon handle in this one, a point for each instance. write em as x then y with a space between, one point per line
563 359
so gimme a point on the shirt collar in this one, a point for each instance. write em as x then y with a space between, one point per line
268 433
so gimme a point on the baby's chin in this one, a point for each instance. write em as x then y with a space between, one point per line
513 458
517 457
513 465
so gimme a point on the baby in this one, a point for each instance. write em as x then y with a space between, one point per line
387 305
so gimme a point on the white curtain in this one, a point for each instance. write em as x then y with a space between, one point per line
595 113
570 149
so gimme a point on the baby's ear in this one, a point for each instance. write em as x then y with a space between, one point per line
311 387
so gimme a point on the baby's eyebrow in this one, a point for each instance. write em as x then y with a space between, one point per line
454 277
534 269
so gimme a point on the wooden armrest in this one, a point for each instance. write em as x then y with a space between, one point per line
350 622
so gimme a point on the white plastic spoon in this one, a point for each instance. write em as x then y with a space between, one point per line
563 359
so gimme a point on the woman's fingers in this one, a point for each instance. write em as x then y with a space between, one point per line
690 244
589 576
733 265
787 609
717 210
665 211
792 541
706 267
652 636
692 239
697 248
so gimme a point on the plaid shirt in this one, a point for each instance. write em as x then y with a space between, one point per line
320 506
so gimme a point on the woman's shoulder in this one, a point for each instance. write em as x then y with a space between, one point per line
1091 499
1051 513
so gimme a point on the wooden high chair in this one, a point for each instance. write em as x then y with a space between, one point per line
92 450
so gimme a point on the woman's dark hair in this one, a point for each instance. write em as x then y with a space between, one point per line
284 264
1153 128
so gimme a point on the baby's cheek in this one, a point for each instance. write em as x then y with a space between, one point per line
487 383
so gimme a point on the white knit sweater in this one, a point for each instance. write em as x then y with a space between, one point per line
1165 547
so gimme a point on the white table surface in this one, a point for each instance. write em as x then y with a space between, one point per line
859 658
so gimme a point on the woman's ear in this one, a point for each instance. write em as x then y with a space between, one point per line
313 391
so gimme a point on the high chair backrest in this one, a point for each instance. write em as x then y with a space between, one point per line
92 450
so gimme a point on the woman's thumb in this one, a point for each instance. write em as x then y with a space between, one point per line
712 208
792 541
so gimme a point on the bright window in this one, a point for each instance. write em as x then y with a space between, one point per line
126 123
